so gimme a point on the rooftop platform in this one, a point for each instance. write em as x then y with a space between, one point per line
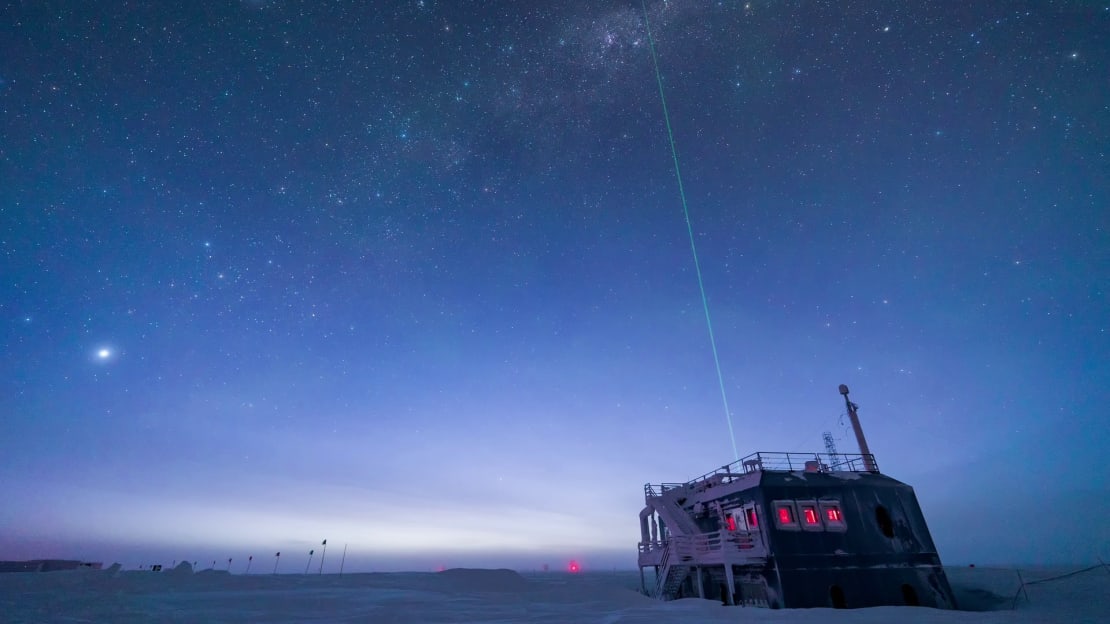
770 461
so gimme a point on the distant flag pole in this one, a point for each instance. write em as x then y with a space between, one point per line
249 560
309 561
343 560
277 558
213 564
229 564
322 553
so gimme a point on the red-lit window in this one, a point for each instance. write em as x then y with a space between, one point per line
832 515
810 515
752 521
730 522
786 515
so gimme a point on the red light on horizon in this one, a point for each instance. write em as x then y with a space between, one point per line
573 567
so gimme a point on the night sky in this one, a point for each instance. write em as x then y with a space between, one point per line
415 276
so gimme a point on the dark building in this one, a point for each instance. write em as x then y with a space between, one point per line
788 530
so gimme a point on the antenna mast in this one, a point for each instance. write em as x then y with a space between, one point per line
830 444
868 458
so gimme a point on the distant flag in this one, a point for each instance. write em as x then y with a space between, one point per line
249 560
325 551
277 558
309 561
324 543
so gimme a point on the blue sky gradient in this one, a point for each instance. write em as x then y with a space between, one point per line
417 278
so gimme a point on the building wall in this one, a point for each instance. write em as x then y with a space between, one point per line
882 554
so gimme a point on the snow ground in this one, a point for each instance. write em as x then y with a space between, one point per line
493 596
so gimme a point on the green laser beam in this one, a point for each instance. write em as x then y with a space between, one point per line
689 229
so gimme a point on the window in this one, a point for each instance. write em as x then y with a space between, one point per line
739 519
753 520
786 515
832 515
810 516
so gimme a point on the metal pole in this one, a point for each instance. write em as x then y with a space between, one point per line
868 459
343 560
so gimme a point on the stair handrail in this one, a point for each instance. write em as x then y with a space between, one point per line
664 569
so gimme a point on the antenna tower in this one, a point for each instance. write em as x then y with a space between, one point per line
830 444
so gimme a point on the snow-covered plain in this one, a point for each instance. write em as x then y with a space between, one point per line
180 595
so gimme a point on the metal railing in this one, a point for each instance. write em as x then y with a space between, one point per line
658 488
789 462
775 461
718 547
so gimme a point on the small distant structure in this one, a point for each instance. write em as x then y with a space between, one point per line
49 565
792 530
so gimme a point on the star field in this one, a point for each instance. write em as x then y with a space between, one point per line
273 271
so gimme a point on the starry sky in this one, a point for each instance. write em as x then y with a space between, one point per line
415 277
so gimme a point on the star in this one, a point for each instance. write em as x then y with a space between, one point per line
104 355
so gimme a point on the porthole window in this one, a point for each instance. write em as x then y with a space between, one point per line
886 525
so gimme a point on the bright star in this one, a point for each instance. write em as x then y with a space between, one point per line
103 354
